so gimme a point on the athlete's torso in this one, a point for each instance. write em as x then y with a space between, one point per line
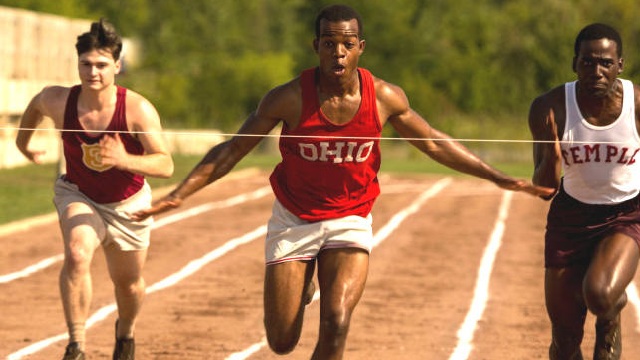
600 163
102 184
328 170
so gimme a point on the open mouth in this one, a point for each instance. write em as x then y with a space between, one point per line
339 69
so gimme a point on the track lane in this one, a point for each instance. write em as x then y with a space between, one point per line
411 309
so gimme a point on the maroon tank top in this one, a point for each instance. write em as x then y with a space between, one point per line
102 184
327 170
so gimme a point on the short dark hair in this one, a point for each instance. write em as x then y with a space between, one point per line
597 31
102 36
338 12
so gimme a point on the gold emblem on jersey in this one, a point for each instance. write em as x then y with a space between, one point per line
92 159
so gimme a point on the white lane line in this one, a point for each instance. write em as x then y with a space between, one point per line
188 270
481 291
398 218
193 266
379 237
244 354
31 269
232 201
634 299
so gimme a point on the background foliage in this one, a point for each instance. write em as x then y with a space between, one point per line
206 64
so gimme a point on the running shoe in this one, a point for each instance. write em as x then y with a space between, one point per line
125 348
73 352
608 340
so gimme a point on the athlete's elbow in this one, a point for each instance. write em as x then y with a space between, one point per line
168 170
165 168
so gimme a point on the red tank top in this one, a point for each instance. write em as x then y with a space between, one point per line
330 171
102 184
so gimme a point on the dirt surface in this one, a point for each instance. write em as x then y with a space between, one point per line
420 287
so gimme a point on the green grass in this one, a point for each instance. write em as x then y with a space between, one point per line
28 191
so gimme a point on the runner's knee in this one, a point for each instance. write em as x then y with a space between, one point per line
336 324
129 286
604 301
77 261
282 337
281 344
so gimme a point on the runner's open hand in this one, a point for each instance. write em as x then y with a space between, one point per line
35 156
525 186
159 206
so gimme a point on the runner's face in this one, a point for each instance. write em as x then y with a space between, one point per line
597 66
339 48
97 69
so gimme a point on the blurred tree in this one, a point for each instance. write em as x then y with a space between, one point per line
206 63
70 8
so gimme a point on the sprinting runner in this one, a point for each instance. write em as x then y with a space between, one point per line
332 117
106 163
588 150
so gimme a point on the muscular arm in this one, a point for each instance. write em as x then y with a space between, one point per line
280 104
394 106
47 103
546 147
276 106
441 148
222 158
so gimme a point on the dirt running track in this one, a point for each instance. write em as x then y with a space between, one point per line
419 292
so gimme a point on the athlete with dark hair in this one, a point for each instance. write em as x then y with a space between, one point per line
112 141
587 148
332 117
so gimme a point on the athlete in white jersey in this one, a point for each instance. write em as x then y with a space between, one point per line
586 146
600 162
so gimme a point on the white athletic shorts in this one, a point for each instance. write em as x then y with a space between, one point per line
291 238
121 231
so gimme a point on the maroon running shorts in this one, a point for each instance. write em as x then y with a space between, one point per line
574 228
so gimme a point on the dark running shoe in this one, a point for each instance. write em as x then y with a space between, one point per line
125 349
73 352
608 340
554 354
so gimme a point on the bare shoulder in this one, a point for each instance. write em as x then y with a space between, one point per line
552 98
140 111
54 95
135 100
51 102
283 103
547 112
391 99
388 92
287 92
552 101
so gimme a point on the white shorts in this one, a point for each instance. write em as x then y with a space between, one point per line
291 238
121 231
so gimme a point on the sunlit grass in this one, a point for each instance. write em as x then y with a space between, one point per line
28 190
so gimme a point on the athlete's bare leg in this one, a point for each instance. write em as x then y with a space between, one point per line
81 228
342 274
285 296
125 269
612 268
567 311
